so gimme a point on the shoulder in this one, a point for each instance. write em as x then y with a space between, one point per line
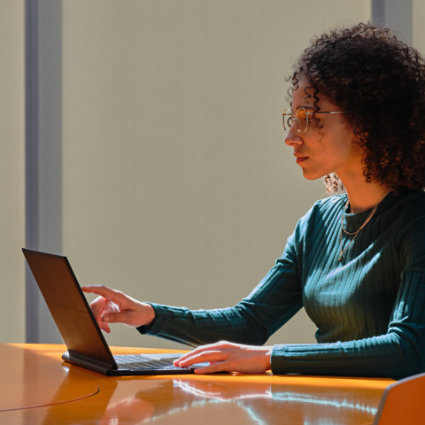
405 219
324 212
407 206
328 206
411 206
414 200
331 202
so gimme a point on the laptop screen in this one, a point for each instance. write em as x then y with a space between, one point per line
68 305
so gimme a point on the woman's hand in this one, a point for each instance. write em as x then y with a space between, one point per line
113 306
228 357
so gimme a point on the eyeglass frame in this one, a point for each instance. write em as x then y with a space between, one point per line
286 116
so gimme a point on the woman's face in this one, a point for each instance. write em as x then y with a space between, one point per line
327 146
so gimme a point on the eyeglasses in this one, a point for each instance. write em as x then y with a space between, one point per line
302 118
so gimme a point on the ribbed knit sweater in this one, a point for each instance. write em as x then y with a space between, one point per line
369 308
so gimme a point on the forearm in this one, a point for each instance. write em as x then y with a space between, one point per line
386 356
197 327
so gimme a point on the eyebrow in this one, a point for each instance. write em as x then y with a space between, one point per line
305 105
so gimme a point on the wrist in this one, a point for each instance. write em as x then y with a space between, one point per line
149 314
268 354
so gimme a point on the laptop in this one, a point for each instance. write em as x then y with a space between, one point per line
72 314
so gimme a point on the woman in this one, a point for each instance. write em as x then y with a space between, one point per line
356 260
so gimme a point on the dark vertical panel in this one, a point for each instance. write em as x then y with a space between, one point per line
43 133
396 14
31 162
378 12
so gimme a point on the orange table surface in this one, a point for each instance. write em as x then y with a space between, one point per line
38 388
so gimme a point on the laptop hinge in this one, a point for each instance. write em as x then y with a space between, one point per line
88 362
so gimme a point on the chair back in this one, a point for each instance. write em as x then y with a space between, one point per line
403 402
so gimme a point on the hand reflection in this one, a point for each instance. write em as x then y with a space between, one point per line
216 390
127 410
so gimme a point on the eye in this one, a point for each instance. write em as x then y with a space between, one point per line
301 114
302 118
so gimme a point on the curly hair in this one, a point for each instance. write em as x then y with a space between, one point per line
379 82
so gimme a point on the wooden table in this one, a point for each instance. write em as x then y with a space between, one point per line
38 388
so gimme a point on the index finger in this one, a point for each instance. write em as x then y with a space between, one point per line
190 354
219 346
212 356
102 291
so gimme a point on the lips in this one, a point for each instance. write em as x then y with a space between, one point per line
300 158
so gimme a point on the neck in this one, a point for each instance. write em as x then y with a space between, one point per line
363 196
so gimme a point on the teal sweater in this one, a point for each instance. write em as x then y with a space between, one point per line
369 308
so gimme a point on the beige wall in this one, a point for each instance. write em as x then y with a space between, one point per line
177 186
12 215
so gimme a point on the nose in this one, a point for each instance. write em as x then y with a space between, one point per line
293 137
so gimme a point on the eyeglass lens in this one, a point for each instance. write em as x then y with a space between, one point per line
300 118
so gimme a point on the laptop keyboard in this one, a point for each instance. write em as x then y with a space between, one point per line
142 361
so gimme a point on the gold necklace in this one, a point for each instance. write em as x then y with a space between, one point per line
353 234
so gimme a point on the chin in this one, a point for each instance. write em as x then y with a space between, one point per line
312 176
